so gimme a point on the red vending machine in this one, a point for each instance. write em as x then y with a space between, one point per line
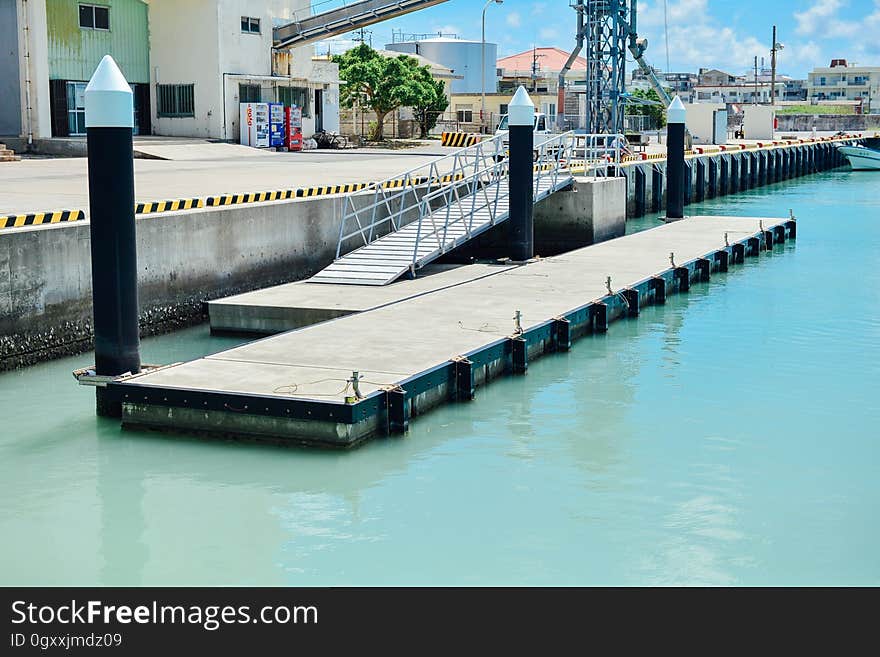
293 128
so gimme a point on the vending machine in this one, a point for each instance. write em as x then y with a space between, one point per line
276 125
293 119
254 122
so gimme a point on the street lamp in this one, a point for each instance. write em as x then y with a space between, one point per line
776 46
483 64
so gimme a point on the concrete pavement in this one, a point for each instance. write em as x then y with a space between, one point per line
38 185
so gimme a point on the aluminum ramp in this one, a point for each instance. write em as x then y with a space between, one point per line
443 205
390 257
340 20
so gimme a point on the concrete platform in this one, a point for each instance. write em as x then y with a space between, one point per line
434 346
294 305
41 185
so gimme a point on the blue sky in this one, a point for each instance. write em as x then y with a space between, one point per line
724 34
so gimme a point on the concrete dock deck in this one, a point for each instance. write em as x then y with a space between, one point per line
414 351
294 305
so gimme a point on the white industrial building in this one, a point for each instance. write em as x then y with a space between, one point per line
461 56
207 56
189 64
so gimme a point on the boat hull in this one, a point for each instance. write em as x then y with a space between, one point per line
861 158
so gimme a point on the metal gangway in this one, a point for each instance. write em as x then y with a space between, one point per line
402 224
352 15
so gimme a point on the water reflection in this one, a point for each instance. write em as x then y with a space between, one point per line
724 438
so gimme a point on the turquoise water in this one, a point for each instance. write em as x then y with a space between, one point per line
729 437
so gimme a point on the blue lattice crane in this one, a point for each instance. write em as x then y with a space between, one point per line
606 30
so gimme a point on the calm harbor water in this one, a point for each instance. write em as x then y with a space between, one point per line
729 437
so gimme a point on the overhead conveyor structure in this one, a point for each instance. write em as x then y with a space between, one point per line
340 20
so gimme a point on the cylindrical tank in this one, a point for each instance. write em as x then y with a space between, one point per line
462 56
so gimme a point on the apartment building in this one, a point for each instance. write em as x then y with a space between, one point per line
844 81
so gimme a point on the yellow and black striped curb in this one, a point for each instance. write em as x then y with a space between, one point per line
157 207
40 218
460 139
169 206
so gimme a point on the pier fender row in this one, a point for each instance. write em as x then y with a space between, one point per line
465 384
657 285
561 334
519 354
397 411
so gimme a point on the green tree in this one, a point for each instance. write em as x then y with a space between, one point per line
382 83
433 104
651 106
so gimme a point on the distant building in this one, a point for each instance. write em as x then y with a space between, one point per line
189 64
681 84
712 77
795 90
459 55
843 81
742 91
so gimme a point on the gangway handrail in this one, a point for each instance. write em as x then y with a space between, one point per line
472 177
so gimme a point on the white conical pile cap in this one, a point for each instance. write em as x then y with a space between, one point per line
521 110
676 112
109 101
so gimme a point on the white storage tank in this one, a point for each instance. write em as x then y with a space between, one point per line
462 56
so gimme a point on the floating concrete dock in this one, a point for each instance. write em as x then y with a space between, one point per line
415 349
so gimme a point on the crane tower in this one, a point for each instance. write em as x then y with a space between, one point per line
606 30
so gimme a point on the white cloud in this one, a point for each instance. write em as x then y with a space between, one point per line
548 34
335 46
448 30
514 19
698 39
817 17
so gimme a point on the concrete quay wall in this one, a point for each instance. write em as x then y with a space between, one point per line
189 257
184 258
709 175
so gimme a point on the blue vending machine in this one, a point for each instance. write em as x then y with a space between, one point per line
276 125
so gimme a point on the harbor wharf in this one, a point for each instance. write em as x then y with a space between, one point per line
190 256
343 381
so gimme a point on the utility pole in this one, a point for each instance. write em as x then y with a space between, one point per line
776 46
535 69
756 80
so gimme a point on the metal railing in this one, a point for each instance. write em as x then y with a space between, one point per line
450 192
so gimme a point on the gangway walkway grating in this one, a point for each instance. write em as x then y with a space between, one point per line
447 203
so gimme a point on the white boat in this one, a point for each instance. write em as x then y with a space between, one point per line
861 158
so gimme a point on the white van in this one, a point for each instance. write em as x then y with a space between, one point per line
542 129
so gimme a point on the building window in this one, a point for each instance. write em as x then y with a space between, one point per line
250 25
175 101
93 17
249 93
76 108
295 97
464 113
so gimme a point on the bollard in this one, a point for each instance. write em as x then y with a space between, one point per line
675 160
521 113
109 123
